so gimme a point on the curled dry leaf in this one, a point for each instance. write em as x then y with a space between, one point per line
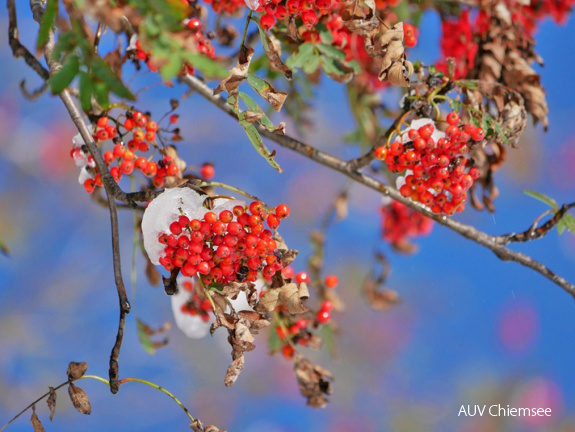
198 426
76 370
488 160
268 301
252 117
152 274
236 74
394 66
314 381
379 300
241 340
234 370
79 399
36 423
292 297
52 402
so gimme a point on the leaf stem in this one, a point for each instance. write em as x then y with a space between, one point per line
246 29
163 390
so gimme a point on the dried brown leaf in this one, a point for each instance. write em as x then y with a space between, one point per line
76 370
198 426
36 423
234 371
52 402
289 296
314 381
268 301
252 117
272 48
379 300
79 399
236 74
152 274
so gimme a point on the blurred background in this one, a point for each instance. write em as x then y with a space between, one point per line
471 329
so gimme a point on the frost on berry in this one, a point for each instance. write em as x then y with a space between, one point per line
162 211
191 324
252 4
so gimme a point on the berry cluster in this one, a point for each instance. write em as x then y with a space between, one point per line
400 222
143 137
231 246
439 171
308 10
409 35
195 306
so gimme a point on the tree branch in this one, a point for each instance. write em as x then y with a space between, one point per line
112 190
493 243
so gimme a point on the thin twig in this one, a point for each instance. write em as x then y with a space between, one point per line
535 233
493 243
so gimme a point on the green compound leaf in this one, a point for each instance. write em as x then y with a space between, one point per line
145 340
253 133
544 198
302 56
50 14
567 222
64 77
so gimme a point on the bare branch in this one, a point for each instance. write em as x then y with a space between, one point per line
493 243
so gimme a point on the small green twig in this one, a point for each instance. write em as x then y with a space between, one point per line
246 30
232 188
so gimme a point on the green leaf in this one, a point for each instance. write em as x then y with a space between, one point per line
145 340
500 131
305 52
253 106
312 65
331 52
101 93
172 67
103 71
50 14
328 339
334 69
86 90
253 134
541 197
206 65
275 344
266 91
568 221
325 34
64 77
561 227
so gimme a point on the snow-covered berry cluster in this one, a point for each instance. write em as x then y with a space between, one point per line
438 171
228 243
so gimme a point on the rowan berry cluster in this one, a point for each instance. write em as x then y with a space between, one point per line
409 35
438 171
308 10
195 306
298 331
231 246
123 159
400 222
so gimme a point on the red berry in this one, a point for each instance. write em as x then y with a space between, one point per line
89 185
323 316
194 24
452 118
381 153
331 281
208 172
273 221
282 211
302 277
267 21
